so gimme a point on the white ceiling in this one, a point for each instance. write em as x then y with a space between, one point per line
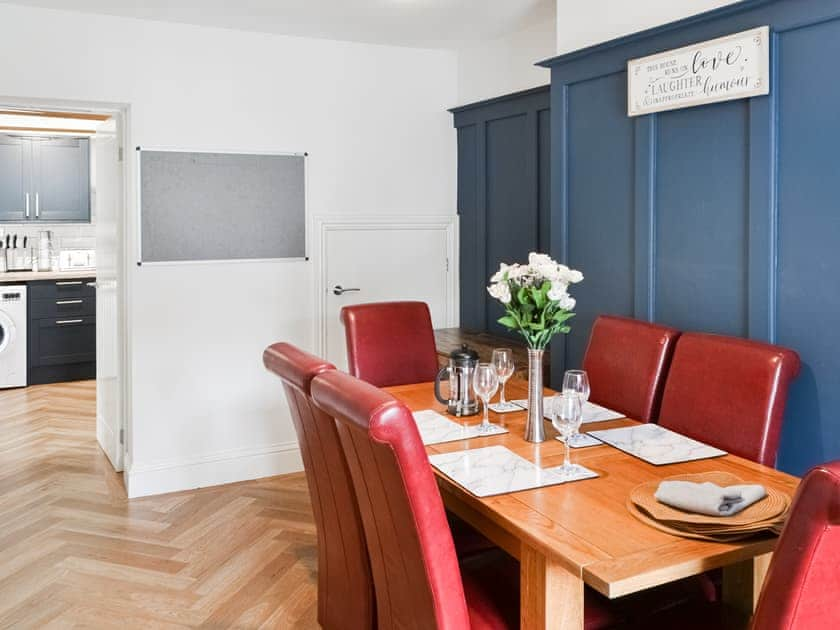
425 23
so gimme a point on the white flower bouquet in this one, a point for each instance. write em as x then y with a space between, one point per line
536 298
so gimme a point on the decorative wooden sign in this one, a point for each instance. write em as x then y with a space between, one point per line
732 67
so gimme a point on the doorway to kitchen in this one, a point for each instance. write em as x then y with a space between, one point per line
63 201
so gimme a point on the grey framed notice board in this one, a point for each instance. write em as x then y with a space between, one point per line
205 206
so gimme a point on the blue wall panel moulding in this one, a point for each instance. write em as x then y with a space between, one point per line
721 218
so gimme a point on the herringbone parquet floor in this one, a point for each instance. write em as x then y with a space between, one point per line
75 553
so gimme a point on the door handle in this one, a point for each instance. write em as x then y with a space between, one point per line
63 302
64 322
92 284
27 205
37 206
339 290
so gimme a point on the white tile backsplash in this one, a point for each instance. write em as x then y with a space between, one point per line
65 236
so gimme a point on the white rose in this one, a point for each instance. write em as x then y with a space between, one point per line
539 260
574 276
500 291
558 291
569 276
520 274
500 274
567 303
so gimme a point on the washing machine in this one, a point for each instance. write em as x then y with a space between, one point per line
12 336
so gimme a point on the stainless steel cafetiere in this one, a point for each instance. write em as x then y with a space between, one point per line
459 372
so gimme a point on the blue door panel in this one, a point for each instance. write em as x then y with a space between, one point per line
600 205
504 203
702 208
470 286
809 240
512 221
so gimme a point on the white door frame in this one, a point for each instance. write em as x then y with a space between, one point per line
122 112
324 224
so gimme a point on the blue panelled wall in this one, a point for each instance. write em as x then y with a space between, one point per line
721 218
504 180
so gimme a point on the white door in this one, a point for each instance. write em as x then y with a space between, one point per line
108 211
385 263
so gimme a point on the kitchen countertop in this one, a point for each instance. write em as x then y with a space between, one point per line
29 276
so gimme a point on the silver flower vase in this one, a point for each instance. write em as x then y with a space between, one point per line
534 427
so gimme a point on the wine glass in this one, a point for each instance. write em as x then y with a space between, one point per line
485 384
566 417
577 382
503 362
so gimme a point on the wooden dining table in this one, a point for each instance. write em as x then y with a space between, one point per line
576 535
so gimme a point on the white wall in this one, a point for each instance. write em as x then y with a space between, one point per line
506 64
582 24
380 141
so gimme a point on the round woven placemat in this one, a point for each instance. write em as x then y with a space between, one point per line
727 537
774 505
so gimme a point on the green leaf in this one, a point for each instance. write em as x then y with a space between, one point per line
562 316
508 321
538 296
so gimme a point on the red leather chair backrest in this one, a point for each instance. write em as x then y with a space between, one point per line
345 585
415 570
626 361
390 343
802 590
730 393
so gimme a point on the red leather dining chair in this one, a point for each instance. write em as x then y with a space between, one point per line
802 587
393 343
418 578
626 361
416 573
390 343
730 393
345 585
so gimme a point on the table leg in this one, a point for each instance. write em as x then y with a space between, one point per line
551 596
742 583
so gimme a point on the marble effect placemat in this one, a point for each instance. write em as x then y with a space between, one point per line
657 445
591 411
436 429
496 470
507 407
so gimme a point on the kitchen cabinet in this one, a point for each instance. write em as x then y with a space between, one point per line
14 177
61 176
62 331
44 179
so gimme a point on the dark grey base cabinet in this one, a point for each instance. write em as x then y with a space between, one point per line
62 331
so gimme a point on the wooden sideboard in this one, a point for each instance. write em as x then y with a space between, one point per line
449 339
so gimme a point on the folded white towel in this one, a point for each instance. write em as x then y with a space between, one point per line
708 498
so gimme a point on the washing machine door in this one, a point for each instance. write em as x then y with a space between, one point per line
7 332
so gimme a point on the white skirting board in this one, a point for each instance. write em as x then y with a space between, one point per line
212 470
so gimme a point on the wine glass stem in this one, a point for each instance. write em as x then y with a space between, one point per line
567 461
485 421
502 399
